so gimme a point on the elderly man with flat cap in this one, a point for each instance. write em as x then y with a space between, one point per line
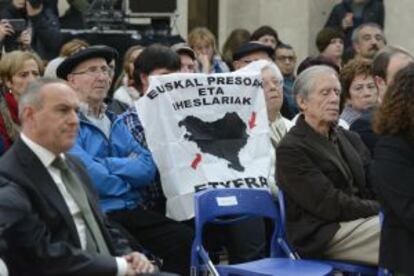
118 165
251 51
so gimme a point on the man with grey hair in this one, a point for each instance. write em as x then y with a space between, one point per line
273 92
321 168
47 197
279 125
368 39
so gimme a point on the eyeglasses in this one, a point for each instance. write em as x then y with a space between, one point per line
95 71
286 58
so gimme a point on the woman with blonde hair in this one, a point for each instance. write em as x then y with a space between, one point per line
17 69
203 43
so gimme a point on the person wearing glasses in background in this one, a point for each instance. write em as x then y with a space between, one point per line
285 58
359 90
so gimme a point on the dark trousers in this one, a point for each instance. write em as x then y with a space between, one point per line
244 241
167 239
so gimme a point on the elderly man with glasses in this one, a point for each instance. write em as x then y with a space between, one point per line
118 165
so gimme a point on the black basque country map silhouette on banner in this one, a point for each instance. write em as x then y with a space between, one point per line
206 132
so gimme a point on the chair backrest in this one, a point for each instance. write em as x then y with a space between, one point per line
224 206
212 204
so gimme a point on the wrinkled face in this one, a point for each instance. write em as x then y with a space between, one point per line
363 92
247 59
268 40
204 47
286 61
370 41
335 48
55 124
18 82
273 89
321 106
187 64
91 79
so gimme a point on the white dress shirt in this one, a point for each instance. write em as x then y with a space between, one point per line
47 157
278 128
3 269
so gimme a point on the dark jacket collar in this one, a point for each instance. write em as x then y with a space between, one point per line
39 180
325 147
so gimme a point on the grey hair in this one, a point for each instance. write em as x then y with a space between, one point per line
355 33
306 80
31 95
274 69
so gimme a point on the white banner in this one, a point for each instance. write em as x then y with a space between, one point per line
206 131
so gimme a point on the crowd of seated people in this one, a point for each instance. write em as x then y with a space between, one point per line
80 193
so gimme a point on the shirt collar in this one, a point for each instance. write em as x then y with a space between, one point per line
45 155
85 109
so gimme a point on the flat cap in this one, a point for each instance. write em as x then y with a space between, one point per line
251 47
67 66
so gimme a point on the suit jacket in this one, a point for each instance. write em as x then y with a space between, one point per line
39 228
393 172
320 190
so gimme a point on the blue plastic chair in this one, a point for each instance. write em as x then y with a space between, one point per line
225 206
347 267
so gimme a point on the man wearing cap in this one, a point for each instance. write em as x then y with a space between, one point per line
187 57
251 51
118 165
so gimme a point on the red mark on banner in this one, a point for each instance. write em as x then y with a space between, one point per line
196 161
252 121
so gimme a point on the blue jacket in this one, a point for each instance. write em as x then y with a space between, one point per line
119 166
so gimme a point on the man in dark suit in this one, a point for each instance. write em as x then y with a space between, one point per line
322 170
48 210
